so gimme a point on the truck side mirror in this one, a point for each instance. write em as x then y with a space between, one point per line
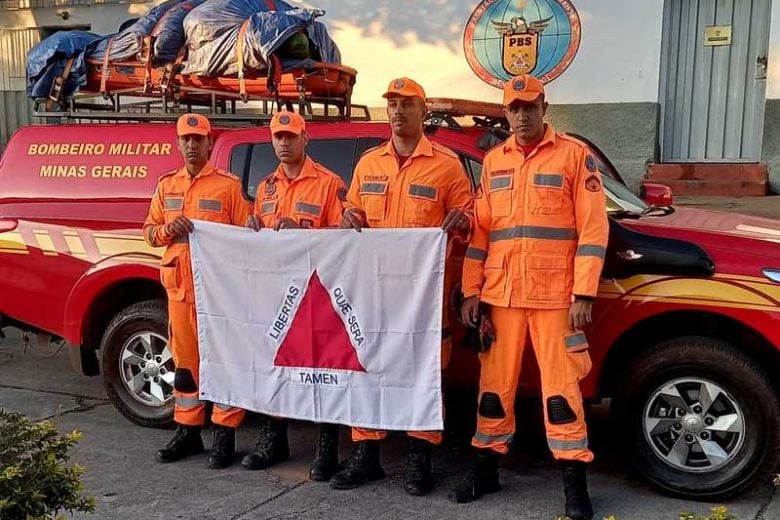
656 194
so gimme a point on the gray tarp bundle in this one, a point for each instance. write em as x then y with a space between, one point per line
169 31
48 59
265 34
126 44
208 28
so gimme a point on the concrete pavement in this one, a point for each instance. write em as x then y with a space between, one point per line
768 206
129 484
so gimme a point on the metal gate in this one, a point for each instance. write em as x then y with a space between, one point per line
713 79
15 108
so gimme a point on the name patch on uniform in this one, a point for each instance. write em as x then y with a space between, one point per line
593 183
210 205
311 209
173 203
423 192
553 180
375 177
373 188
267 207
499 173
501 183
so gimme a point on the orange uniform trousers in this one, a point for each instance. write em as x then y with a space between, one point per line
563 360
212 195
190 410
418 193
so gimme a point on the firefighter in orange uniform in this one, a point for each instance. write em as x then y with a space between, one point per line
299 194
407 182
198 190
535 258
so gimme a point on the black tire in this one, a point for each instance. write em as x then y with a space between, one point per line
744 383
147 316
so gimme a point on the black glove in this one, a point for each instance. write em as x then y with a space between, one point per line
481 337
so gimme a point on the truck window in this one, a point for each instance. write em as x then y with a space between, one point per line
253 162
337 155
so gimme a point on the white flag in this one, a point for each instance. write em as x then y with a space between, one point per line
324 325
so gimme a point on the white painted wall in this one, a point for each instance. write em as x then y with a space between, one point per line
773 72
103 19
618 59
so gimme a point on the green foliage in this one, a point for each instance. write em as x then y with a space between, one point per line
716 513
36 482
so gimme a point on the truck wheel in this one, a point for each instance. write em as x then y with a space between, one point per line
699 419
138 366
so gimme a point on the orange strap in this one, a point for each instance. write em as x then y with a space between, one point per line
240 59
59 84
171 69
106 54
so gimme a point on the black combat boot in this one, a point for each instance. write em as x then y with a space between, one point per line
575 487
363 466
481 479
186 441
418 479
271 446
223 449
326 463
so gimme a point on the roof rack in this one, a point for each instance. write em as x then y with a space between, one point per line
444 111
137 91
127 105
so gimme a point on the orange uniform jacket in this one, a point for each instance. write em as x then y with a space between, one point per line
419 194
541 226
312 199
212 195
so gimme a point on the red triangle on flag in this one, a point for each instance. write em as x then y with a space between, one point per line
317 337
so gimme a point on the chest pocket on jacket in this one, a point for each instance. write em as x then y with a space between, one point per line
267 207
173 205
374 198
421 206
307 214
211 209
501 192
547 193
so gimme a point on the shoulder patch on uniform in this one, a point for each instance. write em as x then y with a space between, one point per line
341 193
571 139
325 171
593 183
443 149
226 174
590 163
374 148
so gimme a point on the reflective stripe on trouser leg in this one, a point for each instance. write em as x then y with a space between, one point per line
366 434
561 371
229 416
434 437
499 375
188 409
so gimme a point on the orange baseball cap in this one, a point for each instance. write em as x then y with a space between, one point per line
404 87
522 88
193 124
287 122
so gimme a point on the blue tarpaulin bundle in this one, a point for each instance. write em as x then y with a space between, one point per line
211 20
126 45
169 31
208 29
266 33
48 60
